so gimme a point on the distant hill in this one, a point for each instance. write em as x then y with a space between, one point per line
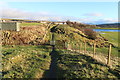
112 25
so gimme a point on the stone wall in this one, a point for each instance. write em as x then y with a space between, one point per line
14 26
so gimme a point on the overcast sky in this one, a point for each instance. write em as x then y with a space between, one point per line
85 12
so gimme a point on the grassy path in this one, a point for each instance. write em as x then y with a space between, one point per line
40 62
63 64
70 64
53 66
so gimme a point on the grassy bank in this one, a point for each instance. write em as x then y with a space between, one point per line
75 38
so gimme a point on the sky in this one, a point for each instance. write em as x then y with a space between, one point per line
84 12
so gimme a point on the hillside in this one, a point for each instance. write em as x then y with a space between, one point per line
50 51
112 25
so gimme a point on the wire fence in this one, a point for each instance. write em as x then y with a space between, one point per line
102 54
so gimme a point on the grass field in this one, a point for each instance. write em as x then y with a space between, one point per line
30 24
25 61
40 62
112 37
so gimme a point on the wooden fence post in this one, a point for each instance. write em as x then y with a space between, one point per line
72 46
66 44
109 52
84 47
94 49
79 47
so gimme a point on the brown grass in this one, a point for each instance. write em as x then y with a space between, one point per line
24 36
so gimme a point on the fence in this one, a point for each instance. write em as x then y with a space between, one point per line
103 54
84 48
92 51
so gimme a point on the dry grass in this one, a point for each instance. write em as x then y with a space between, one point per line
24 36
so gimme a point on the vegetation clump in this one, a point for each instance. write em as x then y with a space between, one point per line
23 37
79 25
90 34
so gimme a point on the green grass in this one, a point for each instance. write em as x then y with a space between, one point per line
32 61
71 65
76 39
111 36
103 50
25 61
30 24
